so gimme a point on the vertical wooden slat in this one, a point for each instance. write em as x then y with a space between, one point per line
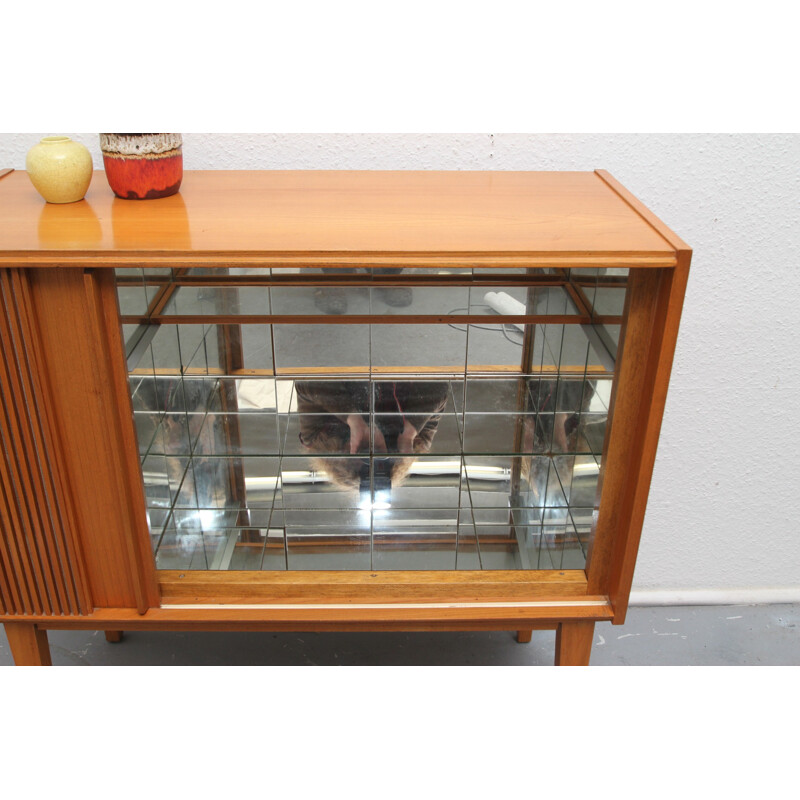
51 460
23 423
25 562
7 604
37 557
16 586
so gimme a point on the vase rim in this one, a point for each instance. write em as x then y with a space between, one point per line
55 139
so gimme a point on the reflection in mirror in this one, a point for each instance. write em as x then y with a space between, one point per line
420 444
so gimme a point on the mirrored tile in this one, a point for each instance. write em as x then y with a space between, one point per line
245 434
419 300
432 348
157 520
411 397
426 492
321 349
252 395
163 479
133 299
411 435
498 395
609 300
309 549
311 482
496 433
248 550
497 547
165 349
495 348
310 300
427 547
467 550
335 396
579 477
318 434
215 300
293 516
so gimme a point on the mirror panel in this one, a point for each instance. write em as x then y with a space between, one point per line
399 441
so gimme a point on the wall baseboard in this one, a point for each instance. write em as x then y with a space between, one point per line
715 597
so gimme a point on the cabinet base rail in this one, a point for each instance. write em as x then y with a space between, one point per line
574 624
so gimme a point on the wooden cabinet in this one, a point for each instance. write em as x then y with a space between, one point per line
331 401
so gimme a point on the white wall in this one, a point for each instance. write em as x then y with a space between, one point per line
723 521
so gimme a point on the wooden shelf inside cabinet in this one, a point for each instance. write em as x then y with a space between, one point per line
329 400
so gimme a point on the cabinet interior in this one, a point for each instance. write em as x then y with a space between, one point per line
326 419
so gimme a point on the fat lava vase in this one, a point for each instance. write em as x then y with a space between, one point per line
141 166
59 169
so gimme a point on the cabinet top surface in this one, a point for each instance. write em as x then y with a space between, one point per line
274 213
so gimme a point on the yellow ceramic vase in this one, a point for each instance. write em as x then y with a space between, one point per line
60 169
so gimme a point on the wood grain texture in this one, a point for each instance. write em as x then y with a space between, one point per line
71 491
624 431
222 261
376 617
40 566
318 214
92 413
653 307
643 211
667 315
101 290
369 587
574 643
28 642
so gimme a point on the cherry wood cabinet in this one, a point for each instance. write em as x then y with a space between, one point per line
175 374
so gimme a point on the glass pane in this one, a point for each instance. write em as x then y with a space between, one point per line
319 348
323 300
427 300
208 300
381 445
428 348
609 300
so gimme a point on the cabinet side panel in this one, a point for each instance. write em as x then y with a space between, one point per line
73 330
666 316
40 566
652 317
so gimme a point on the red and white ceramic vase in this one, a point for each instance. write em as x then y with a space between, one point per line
141 166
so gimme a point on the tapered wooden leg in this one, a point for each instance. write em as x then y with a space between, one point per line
574 644
29 646
523 637
113 636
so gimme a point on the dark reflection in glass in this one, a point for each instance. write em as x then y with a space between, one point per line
383 426
558 407
408 443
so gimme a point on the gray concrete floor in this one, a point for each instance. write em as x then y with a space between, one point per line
657 636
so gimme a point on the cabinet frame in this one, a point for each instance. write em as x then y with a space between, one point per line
75 551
